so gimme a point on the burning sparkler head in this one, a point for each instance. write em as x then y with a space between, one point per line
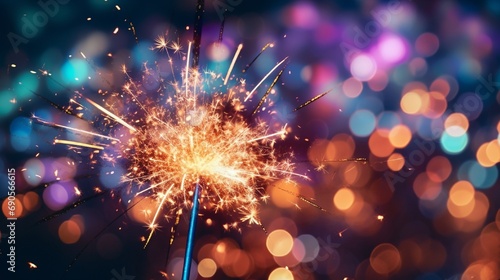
213 144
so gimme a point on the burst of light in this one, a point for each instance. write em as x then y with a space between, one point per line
191 136
171 151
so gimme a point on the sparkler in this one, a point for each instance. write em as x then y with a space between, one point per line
193 145
197 145
208 148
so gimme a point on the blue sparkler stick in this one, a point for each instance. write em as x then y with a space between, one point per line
190 238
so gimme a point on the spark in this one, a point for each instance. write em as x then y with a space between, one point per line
32 265
312 100
161 43
51 124
238 50
187 68
258 55
281 132
153 225
113 116
268 92
303 198
251 217
77 191
76 143
265 77
132 28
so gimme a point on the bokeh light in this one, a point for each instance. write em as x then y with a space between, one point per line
207 268
343 199
392 49
281 273
279 242
427 44
453 144
385 259
363 67
362 123
69 232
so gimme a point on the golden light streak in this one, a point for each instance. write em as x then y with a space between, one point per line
113 116
77 191
265 77
74 129
282 132
187 68
258 55
238 50
75 143
312 100
268 91
153 226
303 198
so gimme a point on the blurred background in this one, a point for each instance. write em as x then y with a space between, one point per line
414 91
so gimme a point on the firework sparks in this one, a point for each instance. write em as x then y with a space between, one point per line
202 138
172 150
189 137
